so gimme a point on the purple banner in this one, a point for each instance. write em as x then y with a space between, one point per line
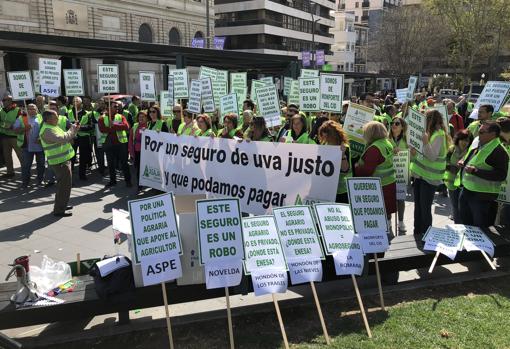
198 43
319 57
219 42
305 57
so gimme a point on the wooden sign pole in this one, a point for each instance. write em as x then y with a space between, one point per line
78 264
319 310
378 275
168 325
76 118
488 260
282 328
229 317
434 262
361 307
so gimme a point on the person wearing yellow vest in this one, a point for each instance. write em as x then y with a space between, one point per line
175 121
204 126
83 143
28 127
8 115
114 140
188 126
377 161
331 133
483 170
258 130
428 169
457 151
135 142
297 132
504 207
484 114
156 122
59 151
230 129
398 139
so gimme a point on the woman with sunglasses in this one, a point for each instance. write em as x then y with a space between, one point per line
258 130
204 126
297 132
428 169
331 133
135 141
156 122
188 127
398 139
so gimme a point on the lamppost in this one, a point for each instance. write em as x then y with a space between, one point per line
312 6
208 25
482 81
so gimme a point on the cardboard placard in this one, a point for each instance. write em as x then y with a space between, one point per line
474 238
401 95
181 85
287 81
20 83
293 97
147 85
309 94
401 166
206 72
166 103
73 81
238 81
416 124
36 80
356 117
220 89
228 104
349 261
413 81
332 92
253 92
267 281
309 73
108 78
269 105
268 80
445 241
207 95
195 97
336 226
50 73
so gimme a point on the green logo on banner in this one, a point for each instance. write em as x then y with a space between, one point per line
152 173
298 200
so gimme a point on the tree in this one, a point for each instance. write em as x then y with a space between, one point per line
476 28
408 37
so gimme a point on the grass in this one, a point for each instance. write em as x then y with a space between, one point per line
470 315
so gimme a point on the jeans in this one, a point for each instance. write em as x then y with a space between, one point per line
474 211
423 197
454 199
118 153
28 159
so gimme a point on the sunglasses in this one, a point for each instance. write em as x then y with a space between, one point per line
152 111
396 123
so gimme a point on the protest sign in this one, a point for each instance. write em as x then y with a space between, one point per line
413 81
195 97
356 117
206 93
401 95
401 166
494 93
228 104
332 92
268 105
293 97
474 238
223 274
260 174
255 84
369 214
156 240
220 89
147 85
206 72
166 103
108 78
73 81
262 245
237 81
49 76
266 281
20 83
37 81
180 78
504 191
416 124
445 241
309 94
309 73
287 81
268 80
222 75
305 58
349 260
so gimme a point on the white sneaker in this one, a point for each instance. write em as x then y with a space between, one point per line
401 227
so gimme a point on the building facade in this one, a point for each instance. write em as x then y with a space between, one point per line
284 27
345 41
168 22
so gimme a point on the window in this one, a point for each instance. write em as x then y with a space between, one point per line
357 4
199 35
356 18
145 33
174 38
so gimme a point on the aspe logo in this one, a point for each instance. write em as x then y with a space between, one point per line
306 200
152 173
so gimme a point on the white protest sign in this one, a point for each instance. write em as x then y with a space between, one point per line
180 78
37 81
50 91
413 81
303 270
356 117
73 81
49 72
260 174
349 261
262 245
240 93
228 104
20 83
504 191
206 72
494 93
267 281
222 75
220 89
107 78
332 92
268 80
161 268
207 95
309 73
238 81
474 238
220 236
253 92
293 97
147 85
401 166
287 81
401 95
416 124
445 241
309 94
195 97
166 103
335 223
223 274
171 88
368 213
268 105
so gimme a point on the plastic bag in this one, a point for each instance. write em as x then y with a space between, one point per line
50 275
